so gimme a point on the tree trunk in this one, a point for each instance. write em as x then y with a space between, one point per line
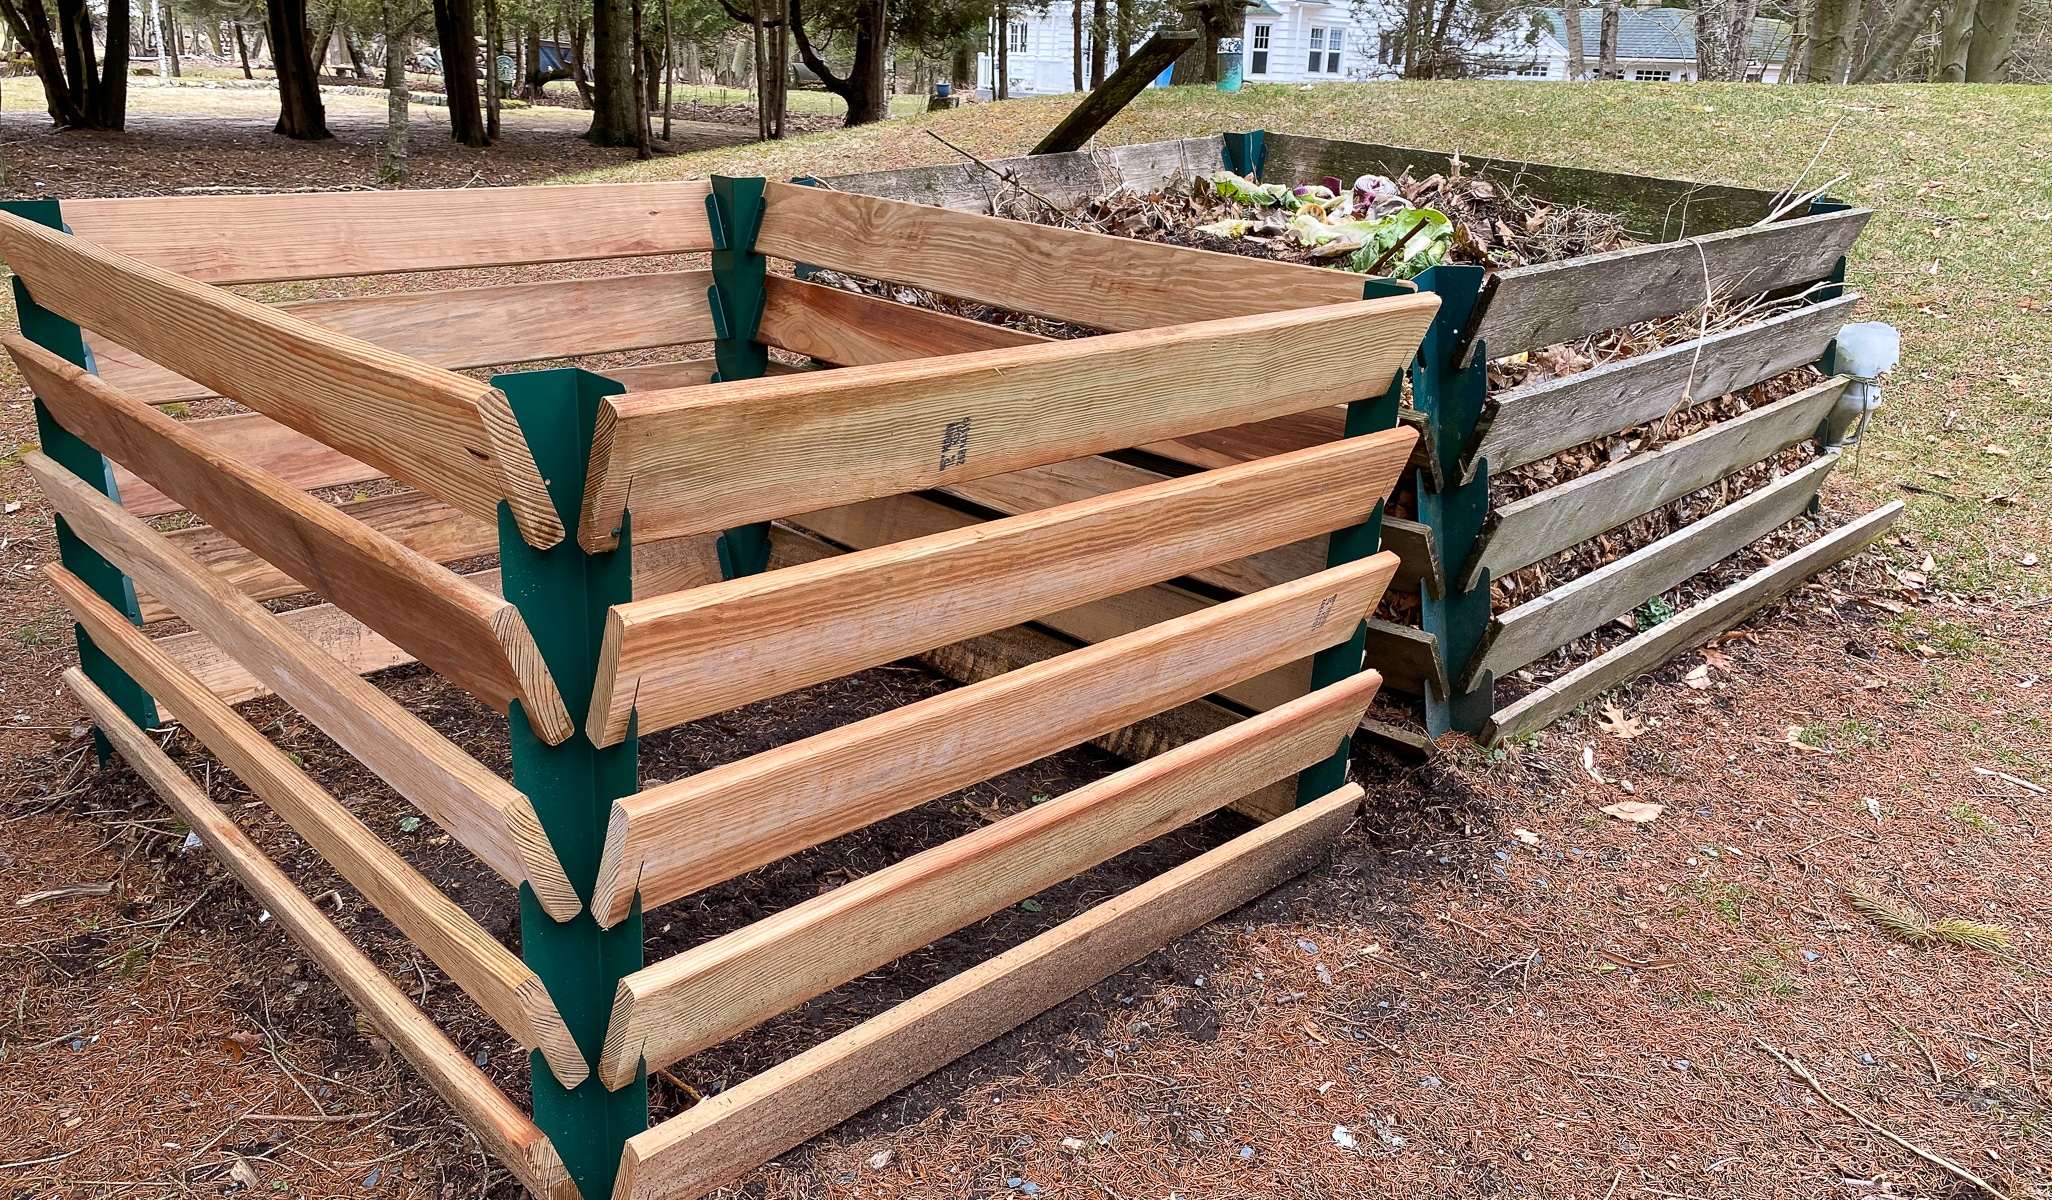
1954 36
456 36
79 91
393 168
612 60
242 51
1076 43
1993 48
320 50
578 75
494 38
1895 37
300 115
642 149
1710 38
1123 13
1001 87
355 52
1738 37
1838 23
1571 19
863 87
669 69
1100 40
1606 60
532 79
168 30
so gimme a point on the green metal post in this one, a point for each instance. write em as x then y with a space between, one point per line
563 593
63 338
734 210
1355 542
1451 397
1246 154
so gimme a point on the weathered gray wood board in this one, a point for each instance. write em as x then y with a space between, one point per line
1567 612
1540 305
1692 628
1526 424
1063 179
1659 209
1525 531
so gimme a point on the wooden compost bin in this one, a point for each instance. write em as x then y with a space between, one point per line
640 585
1700 240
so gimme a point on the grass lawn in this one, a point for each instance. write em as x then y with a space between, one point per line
1959 255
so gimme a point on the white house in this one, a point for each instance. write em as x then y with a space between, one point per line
1285 41
1654 45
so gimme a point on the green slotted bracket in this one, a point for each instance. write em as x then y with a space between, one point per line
733 210
1355 542
1246 154
563 594
1451 398
63 338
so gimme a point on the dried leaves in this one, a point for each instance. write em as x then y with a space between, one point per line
1618 725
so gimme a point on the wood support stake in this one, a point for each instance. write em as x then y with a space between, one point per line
565 593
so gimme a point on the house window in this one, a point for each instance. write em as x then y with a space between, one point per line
1016 37
1317 49
1258 64
1332 51
1644 76
1533 71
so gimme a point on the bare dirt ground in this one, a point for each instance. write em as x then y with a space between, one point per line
1493 988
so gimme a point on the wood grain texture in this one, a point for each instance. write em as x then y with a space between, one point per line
480 810
729 453
504 1129
475 640
1092 279
1064 179
1558 302
1525 531
1539 626
1526 424
421 524
460 441
262 238
260 442
673 1008
1693 627
727 1135
681 657
1209 448
851 330
474 327
668 841
488 973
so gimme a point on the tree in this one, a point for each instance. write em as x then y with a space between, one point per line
612 96
456 36
1992 51
1577 64
1956 32
862 88
1831 45
1606 62
1910 17
399 21
78 91
300 115
1100 38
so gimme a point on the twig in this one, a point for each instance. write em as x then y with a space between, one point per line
36 1162
1007 176
1398 245
331 1119
1940 1161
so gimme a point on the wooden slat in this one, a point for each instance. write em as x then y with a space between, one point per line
1064 179
725 1136
754 449
1560 302
490 974
1525 531
1652 207
479 809
441 432
1567 612
719 988
260 442
684 656
258 239
669 841
1092 279
1209 448
474 327
476 641
1698 624
849 330
504 1129
1529 423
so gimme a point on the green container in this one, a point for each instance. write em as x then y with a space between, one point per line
1229 75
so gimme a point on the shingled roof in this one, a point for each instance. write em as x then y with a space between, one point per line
1659 33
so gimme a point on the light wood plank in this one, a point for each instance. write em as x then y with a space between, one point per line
1092 279
475 640
729 453
488 973
666 842
258 441
725 1136
685 1003
848 329
1689 629
477 808
1525 531
504 1129
1529 423
1559 302
1210 448
680 657
460 442
262 238
1065 179
1539 626
474 327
